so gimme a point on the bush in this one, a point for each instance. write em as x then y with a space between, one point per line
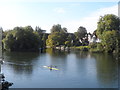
83 48
100 47
93 45
96 47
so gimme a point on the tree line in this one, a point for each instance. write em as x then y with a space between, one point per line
29 39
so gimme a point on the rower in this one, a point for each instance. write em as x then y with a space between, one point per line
50 67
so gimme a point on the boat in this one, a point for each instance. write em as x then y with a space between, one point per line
51 68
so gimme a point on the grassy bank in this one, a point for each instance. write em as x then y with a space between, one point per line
81 48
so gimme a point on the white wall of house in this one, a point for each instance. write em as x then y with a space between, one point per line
93 39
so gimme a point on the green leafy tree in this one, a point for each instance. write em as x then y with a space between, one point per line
22 39
38 29
56 28
44 38
109 40
67 43
28 28
57 37
109 33
108 22
81 33
9 42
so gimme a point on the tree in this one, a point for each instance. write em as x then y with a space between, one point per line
9 42
44 38
56 28
28 28
71 39
107 22
81 32
22 39
38 29
67 43
57 37
109 33
109 40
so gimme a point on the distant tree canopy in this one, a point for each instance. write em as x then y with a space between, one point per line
22 39
80 35
81 32
57 37
58 28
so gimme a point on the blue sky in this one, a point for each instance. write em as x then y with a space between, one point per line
45 14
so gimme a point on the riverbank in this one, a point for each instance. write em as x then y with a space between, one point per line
93 48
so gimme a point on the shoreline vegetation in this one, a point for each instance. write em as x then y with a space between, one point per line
106 38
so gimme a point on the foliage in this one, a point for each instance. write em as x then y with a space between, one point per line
57 37
56 28
21 39
83 48
109 40
96 47
109 33
100 47
44 38
67 43
108 22
25 38
81 33
93 45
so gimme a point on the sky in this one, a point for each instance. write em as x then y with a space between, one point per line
45 13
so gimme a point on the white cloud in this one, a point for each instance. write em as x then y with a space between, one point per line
90 22
59 10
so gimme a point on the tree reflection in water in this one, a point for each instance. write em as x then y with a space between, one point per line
21 62
107 68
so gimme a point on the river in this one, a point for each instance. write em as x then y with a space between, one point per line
76 69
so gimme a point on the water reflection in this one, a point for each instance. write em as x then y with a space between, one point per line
56 53
58 58
21 62
101 66
82 55
107 69
104 65
93 70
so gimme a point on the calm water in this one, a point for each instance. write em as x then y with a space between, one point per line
76 70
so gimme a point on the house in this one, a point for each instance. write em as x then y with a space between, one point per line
43 31
92 38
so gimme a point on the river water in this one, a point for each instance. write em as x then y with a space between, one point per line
76 69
